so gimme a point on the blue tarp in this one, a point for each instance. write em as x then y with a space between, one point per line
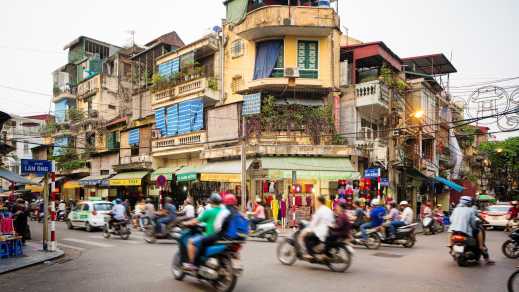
172 120
60 110
160 120
168 68
450 184
267 53
134 137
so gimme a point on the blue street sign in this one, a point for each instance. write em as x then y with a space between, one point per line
372 172
251 104
38 167
384 182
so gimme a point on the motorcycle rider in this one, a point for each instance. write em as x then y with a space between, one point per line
514 211
376 216
213 218
166 215
62 209
342 228
406 218
464 220
188 210
359 215
317 231
118 213
258 214
393 216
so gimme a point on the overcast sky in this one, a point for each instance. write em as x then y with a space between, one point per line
481 35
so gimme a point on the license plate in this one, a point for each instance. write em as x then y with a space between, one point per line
236 264
458 248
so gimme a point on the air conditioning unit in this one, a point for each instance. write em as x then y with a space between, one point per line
292 72
155 134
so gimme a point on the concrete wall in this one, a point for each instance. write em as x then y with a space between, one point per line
103 162
223 123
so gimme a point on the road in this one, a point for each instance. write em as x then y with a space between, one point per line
93 263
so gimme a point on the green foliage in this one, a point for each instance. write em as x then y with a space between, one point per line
68 160
76 115
467 135
392 80
212 83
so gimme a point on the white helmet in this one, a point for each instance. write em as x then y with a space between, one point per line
404 203
375 202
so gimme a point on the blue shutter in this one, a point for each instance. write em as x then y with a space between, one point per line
60 110
197 114
160 120
184 117
134 137
175 65
172 120
170 67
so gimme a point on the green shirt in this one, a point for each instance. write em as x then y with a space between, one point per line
209 218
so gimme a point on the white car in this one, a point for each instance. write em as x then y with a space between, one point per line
89 215
496 215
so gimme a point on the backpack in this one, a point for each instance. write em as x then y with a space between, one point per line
238 227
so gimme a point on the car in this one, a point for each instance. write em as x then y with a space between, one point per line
496 215
89 215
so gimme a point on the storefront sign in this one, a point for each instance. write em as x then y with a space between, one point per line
251 104
70 185
384 182
38 167
162 181
221 177
187 176
372 172
126 182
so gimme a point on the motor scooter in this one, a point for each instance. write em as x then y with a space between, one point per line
265 229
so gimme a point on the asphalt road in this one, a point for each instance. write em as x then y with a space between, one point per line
93 263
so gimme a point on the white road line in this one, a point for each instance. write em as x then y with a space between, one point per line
139 239
71 247
88 242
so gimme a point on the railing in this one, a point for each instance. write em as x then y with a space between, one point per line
110 83
88 87
135 159
186 139
372 92
183 89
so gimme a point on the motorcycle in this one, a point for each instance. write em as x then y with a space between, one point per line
404 236
512 225
118 228
61 216
265 229
374 241
168 232
510 247
465 250
433 225
337 256
513 281
219 265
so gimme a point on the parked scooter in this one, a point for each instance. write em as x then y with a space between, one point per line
433 225
510 247
118 228
404 236
219 266
265 229
338 258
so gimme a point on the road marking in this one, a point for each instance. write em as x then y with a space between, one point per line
119 240
71 247
88 242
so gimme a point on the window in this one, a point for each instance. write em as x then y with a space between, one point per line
237 48
105 172
267 56
26 148
103 206
135 150
279 67
86 207
307 59
111 106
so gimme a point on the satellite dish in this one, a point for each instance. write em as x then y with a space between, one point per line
217 29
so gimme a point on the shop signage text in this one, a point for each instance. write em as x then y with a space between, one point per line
372 172
221 177
186 176
126 182
39 167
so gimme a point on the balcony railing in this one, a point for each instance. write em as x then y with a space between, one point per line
373 94
88 87
279 20
182 140
135 159
185 89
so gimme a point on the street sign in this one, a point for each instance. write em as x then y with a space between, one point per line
372 172
384 182
251 104
161 181
38 167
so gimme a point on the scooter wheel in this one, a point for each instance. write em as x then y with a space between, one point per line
106 233
273 237
509 249
176 268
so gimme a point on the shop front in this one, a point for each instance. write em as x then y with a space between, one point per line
72 191
96 187
129 185
223 176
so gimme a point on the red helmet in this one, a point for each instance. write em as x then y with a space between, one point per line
229 200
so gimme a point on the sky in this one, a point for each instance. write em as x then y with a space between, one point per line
481 36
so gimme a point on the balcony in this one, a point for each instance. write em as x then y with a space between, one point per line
281 20
198 87
280 84
89 87
372 97
139 162
186 143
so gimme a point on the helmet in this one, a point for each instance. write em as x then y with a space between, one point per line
118 201
375 202
466 200
229 200
404 203
215 198
258 200
514 203
148 200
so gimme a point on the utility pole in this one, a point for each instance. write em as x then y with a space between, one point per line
243 166
45 211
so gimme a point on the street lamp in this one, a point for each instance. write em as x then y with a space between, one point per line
418 114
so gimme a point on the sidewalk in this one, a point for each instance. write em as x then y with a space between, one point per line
32 255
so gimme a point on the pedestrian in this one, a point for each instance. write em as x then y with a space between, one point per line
21 226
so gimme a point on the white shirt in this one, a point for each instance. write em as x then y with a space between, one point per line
189 211
119 212
321 221
407 215
62 207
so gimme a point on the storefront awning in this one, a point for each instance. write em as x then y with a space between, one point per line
95 180
14 178
165 171
187 173
450 184
71 184
309 168
223 171
128 178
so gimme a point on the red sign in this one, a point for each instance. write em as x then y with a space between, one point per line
161 181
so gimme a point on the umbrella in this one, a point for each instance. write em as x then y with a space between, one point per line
486 198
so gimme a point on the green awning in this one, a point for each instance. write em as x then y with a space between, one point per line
165 171
187 173
309 168
14 178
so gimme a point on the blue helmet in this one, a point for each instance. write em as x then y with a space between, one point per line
215 198
118 201
466 200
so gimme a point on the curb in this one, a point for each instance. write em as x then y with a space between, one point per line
28 262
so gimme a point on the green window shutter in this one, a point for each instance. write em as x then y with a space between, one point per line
308 59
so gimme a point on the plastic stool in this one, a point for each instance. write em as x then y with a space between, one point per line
16 248
4 249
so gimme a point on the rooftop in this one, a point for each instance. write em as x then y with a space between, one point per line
432 65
